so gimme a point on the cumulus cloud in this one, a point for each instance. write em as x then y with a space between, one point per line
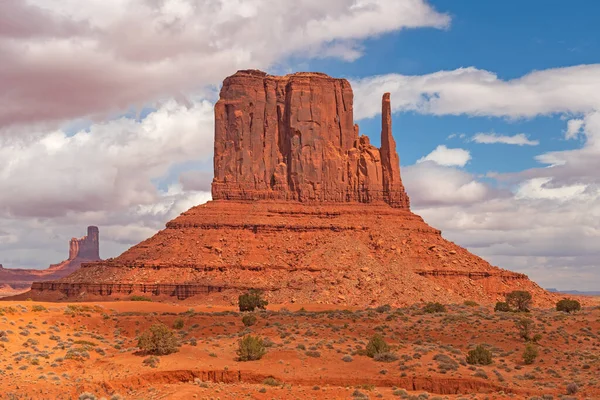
109 165
429 183
443 155
574 128
473 91
61 60
519 139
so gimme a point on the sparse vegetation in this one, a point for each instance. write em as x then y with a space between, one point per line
249 320
530 354
568 305
519 300
432 308
140 298
502 306
470 303
376 345
251 301
158 340
251 348
178 324
525 327
479 356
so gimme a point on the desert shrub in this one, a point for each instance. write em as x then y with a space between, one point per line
79 354
525 327
502 306
270 381
519 300
471 303
431 308
445 362
178 324
479 356
376 346
568 305
87 396
140 298
387 356
151 361
347 358
37 308
384 308
312 353
530 354
249 320
572 388
251 301
251 348
158 340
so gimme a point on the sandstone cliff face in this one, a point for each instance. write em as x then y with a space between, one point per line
293 138
85 249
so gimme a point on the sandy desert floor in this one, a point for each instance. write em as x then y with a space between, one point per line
62 350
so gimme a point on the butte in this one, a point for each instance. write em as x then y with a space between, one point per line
304 208
85 249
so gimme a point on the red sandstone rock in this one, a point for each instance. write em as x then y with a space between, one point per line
80 250
328 221
294 138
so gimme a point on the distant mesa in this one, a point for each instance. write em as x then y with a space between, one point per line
14 281
304 208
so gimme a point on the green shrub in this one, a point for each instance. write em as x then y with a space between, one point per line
431 308
525 327
140 298
151 361
502 306
530 354
387 356
251 348
159 340
384 308
251 301
479 356
519 300
249 320
178 324
568 305
37 308
471 303
376 346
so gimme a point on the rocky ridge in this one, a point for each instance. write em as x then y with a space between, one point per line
304 209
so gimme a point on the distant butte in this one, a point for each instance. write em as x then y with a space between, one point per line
304 208
85 249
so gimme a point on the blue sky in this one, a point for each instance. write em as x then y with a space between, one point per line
510 38
116 130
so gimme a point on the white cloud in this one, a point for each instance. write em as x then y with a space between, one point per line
110 165
574 128
62 61
519 139
443 155
478 92
429 183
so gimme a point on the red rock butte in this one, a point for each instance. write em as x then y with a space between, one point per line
304 209
85 249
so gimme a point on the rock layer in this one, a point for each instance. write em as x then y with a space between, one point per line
294 138
85 249
304 209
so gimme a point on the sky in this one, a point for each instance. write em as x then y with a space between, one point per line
106 115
